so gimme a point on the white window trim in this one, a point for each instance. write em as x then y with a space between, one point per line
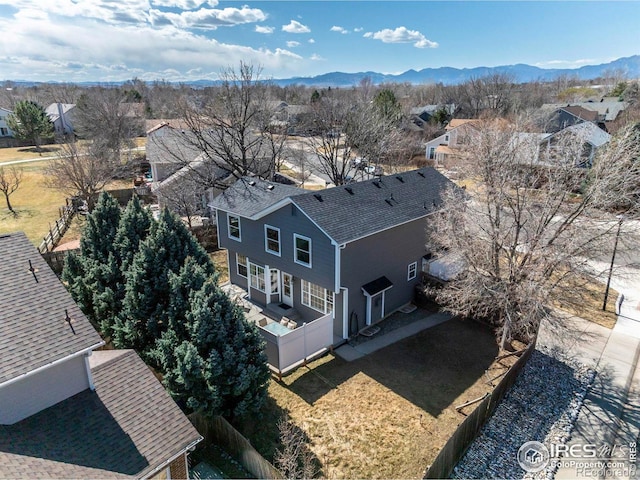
326 303
415 271
266 241
295 250
264 280
246 265
239 237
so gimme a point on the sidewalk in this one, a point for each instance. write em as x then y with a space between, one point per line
350 353
610 415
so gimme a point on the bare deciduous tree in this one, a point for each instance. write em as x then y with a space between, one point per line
229 125
10 181
295 460
80 170
528 230
106 118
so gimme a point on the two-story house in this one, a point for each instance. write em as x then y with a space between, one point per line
67 410
353 251
458 133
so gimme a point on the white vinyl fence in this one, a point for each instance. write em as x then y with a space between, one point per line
294 348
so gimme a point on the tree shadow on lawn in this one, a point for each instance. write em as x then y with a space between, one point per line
42 149
430 369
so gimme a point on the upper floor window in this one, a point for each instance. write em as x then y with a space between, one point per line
272 239
233 223
302 250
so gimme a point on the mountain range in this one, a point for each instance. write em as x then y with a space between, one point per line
522 73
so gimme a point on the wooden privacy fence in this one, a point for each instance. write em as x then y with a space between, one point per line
467 431
57 230
218 431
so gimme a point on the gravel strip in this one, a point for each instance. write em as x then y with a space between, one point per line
542 405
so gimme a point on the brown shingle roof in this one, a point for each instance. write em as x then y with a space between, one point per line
33 330
128 427
583 113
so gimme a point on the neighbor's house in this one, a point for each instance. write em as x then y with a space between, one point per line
603 113
61 116
592 137
445 148
66 409
178 168
354 252
294 119
420 116
6 135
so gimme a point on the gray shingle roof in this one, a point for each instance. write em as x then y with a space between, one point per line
346 213
33 330
123 429
249 196
361 209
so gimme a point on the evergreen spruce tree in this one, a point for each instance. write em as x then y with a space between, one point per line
92 274
134 227
221 368
147 292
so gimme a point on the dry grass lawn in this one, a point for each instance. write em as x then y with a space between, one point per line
219 258
27 153
388 414
36 205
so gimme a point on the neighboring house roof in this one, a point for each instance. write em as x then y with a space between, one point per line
54 108
121 429
249 196
607 110
195 170
171 147
582 113
157 123
589 132
33 329
350 212
431 109
458 122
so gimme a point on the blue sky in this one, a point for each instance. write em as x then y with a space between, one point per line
181 40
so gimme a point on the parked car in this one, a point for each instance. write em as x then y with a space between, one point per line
374 170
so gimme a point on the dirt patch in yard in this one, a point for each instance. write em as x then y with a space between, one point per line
388 414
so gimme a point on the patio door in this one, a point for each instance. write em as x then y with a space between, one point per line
287 289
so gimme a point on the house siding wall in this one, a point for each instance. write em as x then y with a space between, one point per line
179 468
386 253
24 398
289 220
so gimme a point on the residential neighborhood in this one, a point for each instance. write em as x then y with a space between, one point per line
217 261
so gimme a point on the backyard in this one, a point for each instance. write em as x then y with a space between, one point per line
388 414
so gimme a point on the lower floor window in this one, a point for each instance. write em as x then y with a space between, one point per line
241 261
256 277
316 297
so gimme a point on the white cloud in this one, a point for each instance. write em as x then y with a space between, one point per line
295 27
402 35
183 4
316 58
357 30
312 40
338 29
293 44
264 29
207 18
79 49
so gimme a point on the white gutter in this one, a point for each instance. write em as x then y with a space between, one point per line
171 459
52 364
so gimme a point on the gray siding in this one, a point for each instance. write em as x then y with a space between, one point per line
42 390
289 220
386 253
